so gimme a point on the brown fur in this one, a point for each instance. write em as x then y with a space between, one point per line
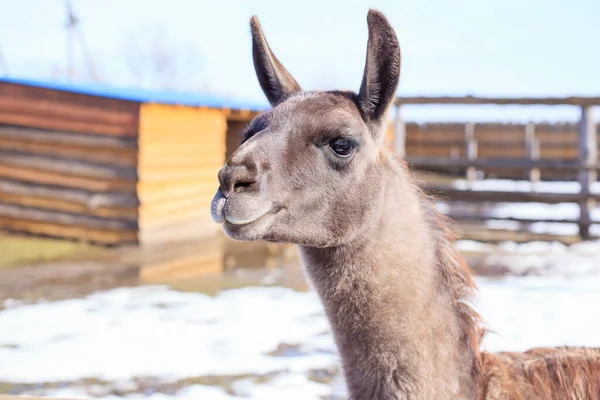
395 290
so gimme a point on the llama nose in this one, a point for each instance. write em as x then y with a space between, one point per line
236 178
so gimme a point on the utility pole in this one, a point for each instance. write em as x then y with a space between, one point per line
74 33
72 22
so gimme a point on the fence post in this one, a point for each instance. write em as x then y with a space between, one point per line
454 156
470 150
588 154
399 133
532 148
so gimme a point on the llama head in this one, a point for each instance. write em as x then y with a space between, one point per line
308 171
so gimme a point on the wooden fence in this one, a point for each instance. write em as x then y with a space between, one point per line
508 150
550 142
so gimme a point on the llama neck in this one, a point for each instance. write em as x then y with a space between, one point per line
395 301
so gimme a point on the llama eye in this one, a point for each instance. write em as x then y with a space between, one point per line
342 147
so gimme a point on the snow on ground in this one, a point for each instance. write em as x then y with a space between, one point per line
530 211
290 386
535 311
546 258
523 186
154 331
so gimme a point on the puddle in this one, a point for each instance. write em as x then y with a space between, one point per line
208 267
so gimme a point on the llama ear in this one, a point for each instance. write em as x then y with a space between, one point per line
275 80
382 68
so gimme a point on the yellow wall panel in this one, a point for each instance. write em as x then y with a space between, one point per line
166 133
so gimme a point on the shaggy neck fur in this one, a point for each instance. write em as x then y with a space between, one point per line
397 301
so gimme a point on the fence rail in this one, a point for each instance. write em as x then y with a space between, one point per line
548 101
466 151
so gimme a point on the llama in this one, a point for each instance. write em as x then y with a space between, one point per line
313 171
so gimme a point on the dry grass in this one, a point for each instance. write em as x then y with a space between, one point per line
16 250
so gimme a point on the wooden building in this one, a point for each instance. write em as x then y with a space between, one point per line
111 166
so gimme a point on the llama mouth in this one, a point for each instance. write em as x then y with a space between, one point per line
254 229
242 222
248 221
219 214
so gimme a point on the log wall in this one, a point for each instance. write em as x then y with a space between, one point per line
104 170
68 164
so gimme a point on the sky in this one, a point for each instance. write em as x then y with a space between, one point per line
481 47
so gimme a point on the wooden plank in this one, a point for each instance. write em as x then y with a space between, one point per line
170 156
57 123
115 205
205 175
151 193
461 217
435 134
173 204
424 141
67 167
484 151
89 199
149 164
507 134
58 96
86 234
571 100
117 157
508 163
67 219
159 120
192 131
427 152
588 152
500 152
39 176
198 215
479 196
156 216
483 234
559 143
67 138
124 213
481 143
67 111
559 153
182 146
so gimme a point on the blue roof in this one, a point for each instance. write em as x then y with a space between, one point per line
143 96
